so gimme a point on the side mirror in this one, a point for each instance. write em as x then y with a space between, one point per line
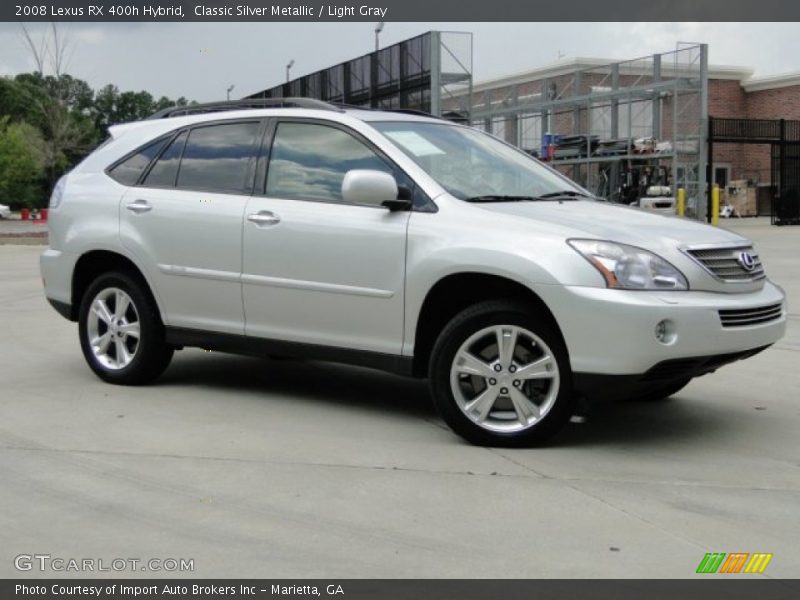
362 186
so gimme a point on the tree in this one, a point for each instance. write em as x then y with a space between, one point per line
69 115
134 106
59 108
104 110
21 164
59 104
74 95
165 102
51 50
13 103
112 106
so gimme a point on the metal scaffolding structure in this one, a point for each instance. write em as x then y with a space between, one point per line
431 72
599 124
609 127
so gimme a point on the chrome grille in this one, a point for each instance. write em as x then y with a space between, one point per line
723 263
742 317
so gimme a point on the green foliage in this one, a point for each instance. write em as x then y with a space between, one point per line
74 94
112 106
52 122
59 108
22 164
13 100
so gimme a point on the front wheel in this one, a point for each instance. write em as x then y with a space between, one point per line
120 330
500 376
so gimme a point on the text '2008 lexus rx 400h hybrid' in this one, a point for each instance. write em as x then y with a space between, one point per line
398 242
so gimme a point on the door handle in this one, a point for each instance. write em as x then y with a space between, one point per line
139 206
264 217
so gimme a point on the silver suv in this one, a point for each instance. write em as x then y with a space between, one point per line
394 241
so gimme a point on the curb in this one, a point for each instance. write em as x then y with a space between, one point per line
24 239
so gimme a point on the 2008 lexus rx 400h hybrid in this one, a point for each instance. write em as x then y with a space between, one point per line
393 241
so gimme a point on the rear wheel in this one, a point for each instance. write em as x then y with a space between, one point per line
120 330
499 376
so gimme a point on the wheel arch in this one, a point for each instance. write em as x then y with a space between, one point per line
453 293
94 263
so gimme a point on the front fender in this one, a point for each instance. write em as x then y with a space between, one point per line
463 238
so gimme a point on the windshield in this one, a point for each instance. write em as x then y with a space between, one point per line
472 165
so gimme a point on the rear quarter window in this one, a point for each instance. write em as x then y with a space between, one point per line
165 170
130 170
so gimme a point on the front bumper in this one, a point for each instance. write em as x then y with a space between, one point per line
661 376
612 332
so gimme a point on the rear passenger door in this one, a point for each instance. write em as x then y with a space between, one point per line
183 220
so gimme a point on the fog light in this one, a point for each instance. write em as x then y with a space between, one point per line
665 332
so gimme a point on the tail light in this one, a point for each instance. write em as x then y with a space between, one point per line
58 192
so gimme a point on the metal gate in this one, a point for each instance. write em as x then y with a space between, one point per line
786 183
784 139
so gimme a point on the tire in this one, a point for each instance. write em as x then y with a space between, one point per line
485 406
117 355
665 392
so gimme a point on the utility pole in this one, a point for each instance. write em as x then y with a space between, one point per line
289 68
378 29
229 90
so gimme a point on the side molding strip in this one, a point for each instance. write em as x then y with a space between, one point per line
199 273
316 286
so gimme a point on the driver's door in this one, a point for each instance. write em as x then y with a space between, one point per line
316 269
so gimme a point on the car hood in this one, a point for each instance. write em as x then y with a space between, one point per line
614 222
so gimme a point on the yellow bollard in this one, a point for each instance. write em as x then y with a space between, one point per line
715 205
681 202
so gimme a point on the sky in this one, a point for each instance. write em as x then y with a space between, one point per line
200 60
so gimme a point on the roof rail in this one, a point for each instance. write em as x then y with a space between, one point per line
407 111
246 104
410 111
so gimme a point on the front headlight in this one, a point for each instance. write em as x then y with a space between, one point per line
630 268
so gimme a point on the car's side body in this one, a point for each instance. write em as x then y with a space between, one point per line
248 272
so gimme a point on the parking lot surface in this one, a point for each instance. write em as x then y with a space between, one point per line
266 468
18 231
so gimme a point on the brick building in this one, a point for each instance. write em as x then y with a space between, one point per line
734 93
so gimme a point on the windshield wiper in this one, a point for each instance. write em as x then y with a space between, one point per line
563 194
497 198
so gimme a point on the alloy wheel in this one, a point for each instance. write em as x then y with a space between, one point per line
504 378
113 328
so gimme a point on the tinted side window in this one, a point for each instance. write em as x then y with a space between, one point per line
163 173
129 171
309 161
219 157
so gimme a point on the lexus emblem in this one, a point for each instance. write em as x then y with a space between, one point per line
746 260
